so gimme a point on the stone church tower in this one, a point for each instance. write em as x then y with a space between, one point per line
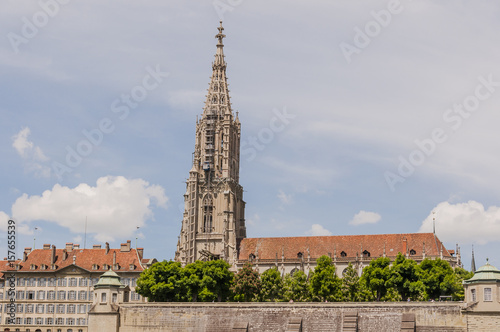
214 220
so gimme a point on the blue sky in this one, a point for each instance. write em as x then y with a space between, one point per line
388 111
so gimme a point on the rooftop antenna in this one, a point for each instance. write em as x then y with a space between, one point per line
136 237
34 237
85 237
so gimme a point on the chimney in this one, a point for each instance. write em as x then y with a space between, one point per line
25 254
140 252
74 259
96 246
76 246
46 246
125 247
69 247
114 259
53 255
65 254
107 247
405 246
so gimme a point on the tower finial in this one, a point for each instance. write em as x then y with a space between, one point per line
220 35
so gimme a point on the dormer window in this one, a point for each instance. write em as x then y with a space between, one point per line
32 267
116 267
412 252
131 267
366 253
343 254
105 266
251 257
300 255
43 267
95 267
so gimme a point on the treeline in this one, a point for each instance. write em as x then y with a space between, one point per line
380 281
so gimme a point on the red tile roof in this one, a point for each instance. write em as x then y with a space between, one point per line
84 258
352 245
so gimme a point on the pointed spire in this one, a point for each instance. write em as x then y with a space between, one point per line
218 102
473 261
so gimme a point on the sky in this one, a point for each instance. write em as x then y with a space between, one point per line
387 111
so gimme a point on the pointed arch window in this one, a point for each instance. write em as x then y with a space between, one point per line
208 207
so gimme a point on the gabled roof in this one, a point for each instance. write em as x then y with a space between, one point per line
351 245
83 258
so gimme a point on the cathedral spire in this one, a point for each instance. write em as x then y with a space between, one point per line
217 102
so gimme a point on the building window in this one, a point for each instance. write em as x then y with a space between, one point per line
41 295
133 282
39 321
73 282
134 296
21 281
32 282
49 321
71 308
39 309
95 267
473 295
72 295
207 214
20 295
60 308
300 255
413 252
51 282
82 309
83 282
251 258
487 295
61 295
19 308
70 321
28 321
343 254
82 295
51 295
125 281
61 282
30 295
103 298
366 253
29 308
59 321
42 282
50 308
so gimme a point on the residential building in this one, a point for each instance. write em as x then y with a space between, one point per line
54 287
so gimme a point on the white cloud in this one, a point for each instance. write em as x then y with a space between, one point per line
4 218
464 222
113 208
365 217
284 198
318 230
32 154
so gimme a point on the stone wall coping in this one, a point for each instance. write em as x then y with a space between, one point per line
367 305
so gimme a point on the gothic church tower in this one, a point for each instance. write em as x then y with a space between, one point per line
214 220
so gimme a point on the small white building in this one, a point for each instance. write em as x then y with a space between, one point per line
482 291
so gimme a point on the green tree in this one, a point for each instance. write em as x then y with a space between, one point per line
295 287
460 275
377 276
405 278
437 277
350 285
246 286
216 281
272 285
191 278
163 282
324 285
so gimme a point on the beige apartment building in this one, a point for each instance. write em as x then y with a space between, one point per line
54 287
